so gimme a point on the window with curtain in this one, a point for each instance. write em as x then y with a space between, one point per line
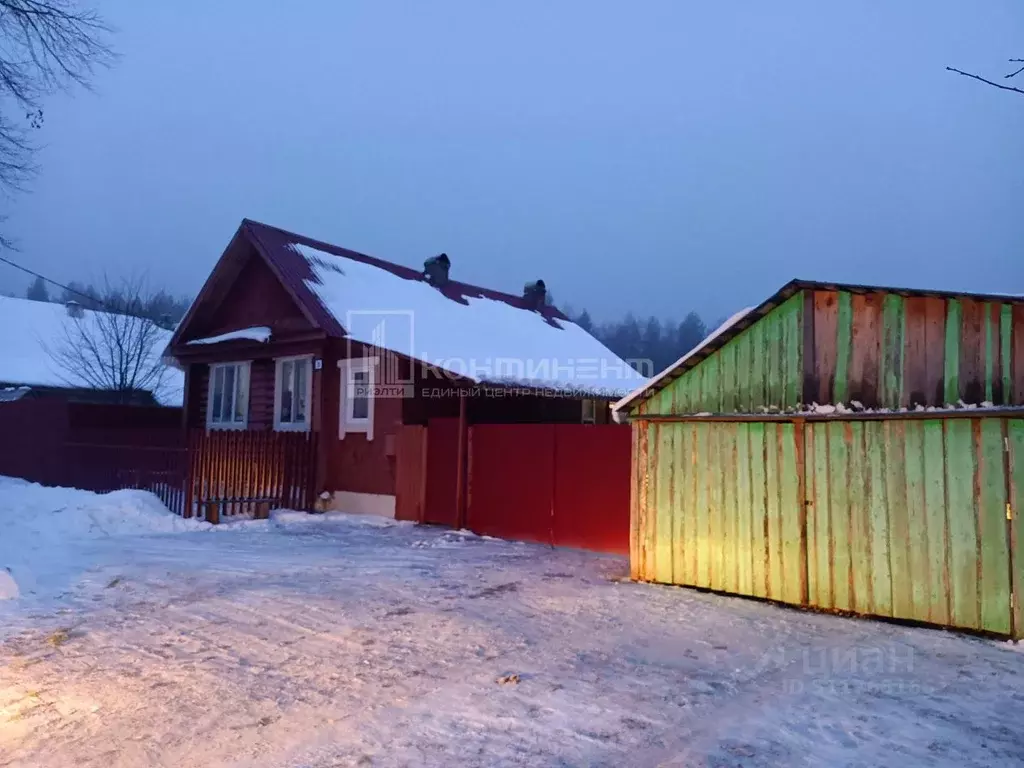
293 393
228 403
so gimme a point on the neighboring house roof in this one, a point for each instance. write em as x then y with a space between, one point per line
747 317
32 331
480 334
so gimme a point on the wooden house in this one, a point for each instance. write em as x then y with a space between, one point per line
294 335
847 447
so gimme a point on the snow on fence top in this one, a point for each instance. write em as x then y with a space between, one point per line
483 339
32 332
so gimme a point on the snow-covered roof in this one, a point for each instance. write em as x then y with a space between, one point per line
259 333
30 333
654 381
479 337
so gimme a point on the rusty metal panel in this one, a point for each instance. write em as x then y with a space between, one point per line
701 534
878 517
993 535
915 353
963 534
901 574
918 578
865 349
682 481
891 377
759 507
1006 354
819 532
971 378
744 512
935 349
664 491
951 357
993 358
756 383
792 539
901 518
894 351
634 495
936 509
650 539
826 317
1017 355
1015 454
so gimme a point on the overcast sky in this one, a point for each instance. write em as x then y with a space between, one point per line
655 156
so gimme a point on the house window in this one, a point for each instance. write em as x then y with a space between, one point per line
357 384
589 413
293 393
228 403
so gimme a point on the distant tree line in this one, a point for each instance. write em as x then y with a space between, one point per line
128 297
632 339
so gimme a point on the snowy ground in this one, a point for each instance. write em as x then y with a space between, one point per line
312 642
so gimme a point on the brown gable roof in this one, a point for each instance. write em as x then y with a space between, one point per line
293 270
275 245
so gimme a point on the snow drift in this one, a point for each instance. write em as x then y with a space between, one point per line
47 530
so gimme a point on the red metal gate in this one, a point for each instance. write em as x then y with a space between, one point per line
512 481
442 472
592 475
560 484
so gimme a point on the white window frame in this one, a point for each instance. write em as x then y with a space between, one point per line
293 426
346 421
243 368
588 418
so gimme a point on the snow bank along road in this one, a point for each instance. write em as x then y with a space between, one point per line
325 642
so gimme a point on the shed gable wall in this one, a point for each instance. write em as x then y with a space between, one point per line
761 368
878 349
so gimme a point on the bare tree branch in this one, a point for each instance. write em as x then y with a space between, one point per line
45 46
1017 71
984 80
117 350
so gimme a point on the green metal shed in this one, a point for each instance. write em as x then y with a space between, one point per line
852 448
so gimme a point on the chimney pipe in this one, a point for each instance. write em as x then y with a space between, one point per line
535 294
436 268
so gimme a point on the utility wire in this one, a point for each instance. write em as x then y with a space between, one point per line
93 300
26 270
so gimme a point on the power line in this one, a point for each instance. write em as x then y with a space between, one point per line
92 299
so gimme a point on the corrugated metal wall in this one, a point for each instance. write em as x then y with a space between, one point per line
890 351
899 517
761 367
883 350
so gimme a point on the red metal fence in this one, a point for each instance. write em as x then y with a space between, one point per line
96 447
104 448
560 484
102 468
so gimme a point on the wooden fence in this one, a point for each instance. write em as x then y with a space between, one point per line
242 472
105 448
899 517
